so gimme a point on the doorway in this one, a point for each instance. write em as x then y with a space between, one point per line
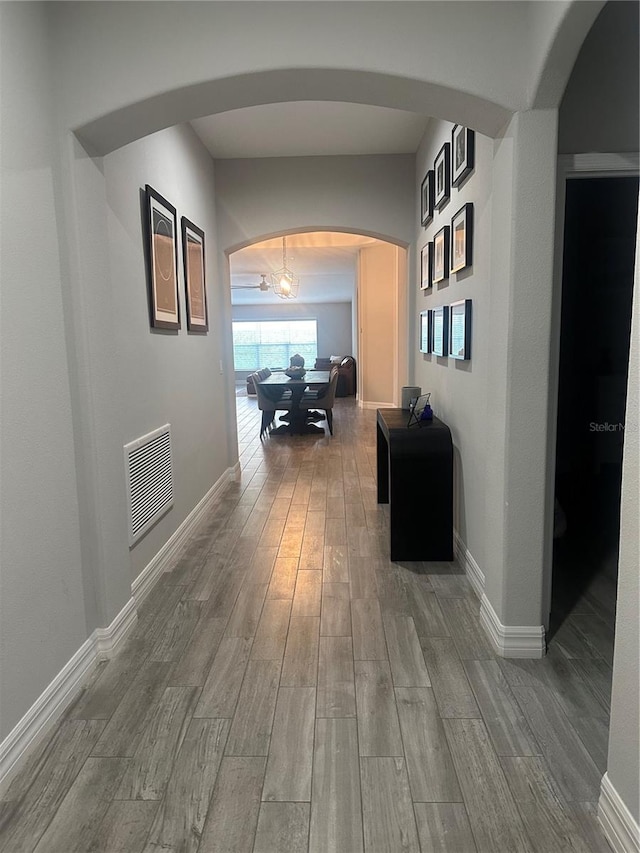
597 288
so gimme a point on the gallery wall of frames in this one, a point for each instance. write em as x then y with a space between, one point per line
445 331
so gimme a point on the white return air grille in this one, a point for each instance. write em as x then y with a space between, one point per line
149 473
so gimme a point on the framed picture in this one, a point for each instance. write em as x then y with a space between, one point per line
460 329
462 238
426 198
440 335
420 412
463 144
426 266
425 331
161 224
442 177
194 276
441 255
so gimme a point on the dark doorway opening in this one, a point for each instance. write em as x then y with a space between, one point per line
597 287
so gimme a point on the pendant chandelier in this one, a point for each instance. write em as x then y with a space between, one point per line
283 281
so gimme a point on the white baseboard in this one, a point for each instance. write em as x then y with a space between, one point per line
367 404
474 573
621 829
100 645
512 641
167 555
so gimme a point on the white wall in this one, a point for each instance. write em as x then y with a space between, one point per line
42 607
600 107
166 377
333 322
460 391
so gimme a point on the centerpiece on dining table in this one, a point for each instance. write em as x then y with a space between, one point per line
296 367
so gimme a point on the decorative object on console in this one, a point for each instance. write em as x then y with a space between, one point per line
462 238
162 260
460 329
442 170
426 266
194 276
441 255
463 153
420 411
440 335
426 198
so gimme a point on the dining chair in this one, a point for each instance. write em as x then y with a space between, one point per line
268 405
323 398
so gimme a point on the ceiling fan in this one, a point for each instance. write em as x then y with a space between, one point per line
262 285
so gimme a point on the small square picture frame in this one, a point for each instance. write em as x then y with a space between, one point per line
440 331
459 343
426 198
463 144
442 170
426 266
441 255
462 238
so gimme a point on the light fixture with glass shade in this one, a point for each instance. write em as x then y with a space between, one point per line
283 281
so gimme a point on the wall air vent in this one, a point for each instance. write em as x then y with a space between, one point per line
149 474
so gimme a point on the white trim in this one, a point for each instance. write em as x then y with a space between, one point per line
100 645
618 824
512 641
367 404
166 556
474 573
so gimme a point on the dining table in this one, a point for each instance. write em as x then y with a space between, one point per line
300 421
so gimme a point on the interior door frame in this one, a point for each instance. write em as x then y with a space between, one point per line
570 167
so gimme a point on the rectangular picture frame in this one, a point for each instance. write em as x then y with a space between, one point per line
441 255
459 337
442 169
426 266
162 254
462 238
195 284
463 152
440 332
426 198
425 331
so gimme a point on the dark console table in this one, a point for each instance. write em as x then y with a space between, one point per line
415 476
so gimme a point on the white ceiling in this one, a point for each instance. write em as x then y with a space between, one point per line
306 128
324 260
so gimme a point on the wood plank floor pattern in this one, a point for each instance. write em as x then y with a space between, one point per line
288 688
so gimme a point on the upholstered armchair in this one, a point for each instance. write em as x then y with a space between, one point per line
268 403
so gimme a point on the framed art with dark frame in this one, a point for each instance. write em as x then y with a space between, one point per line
162 255
425 331
442 171
426 266
440 333
460 329
463 144
441 255
426 198
194 276
462 238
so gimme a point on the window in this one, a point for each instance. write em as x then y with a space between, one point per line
271 343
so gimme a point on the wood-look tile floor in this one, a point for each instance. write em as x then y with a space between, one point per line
288 688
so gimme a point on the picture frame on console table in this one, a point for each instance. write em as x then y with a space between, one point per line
162 260
194 276
463 152
442 169
460 329
441 255
462 238
440 334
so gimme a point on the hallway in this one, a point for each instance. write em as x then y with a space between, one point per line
287 688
